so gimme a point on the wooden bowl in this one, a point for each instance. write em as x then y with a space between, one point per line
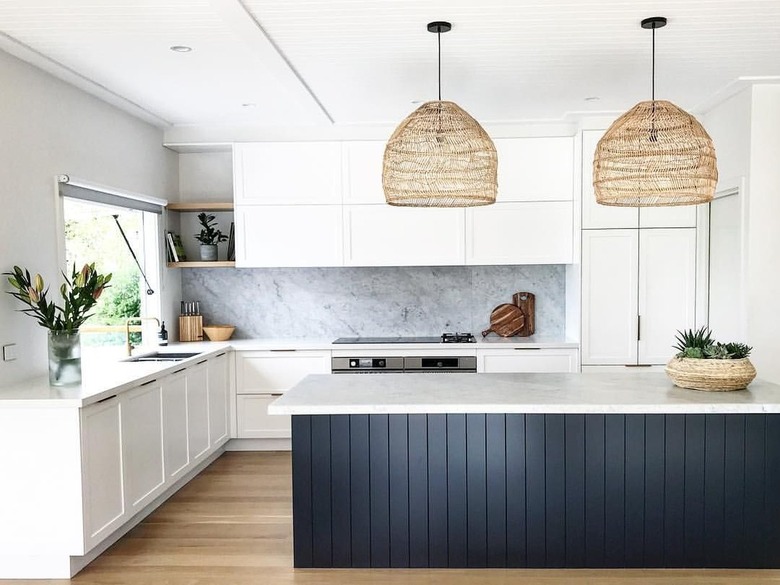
218 332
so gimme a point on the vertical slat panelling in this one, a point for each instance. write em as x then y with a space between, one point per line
734 491
674 521
694 490
654 490
340 490
456 490
437 490
496 490
772 490
380 490
515 491
399 490
714 480
360 499
635 489
755 538
302 489
614 491
555 490
476 490
595 504
536 536
322 554
418 490
575 490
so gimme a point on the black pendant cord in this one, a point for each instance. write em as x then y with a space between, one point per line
149 290
652 84
438 37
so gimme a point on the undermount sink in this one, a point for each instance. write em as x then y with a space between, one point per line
162 357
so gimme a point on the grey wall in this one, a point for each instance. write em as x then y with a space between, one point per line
387 301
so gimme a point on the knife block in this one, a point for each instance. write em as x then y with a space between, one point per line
191 328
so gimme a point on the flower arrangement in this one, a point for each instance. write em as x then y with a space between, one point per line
79 293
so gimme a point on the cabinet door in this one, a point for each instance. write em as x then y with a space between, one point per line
527 360
363 175
218 399
289 235
142 445
197 411
520 233
104 494
287 173
593 214
253 419
271 372
667 290
609 296
175 441
382 235
535 169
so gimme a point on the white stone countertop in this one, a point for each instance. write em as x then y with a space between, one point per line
102 378
489 342
650 392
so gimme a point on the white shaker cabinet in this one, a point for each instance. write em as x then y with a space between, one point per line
596 216
287 173
363 171
638 289
175 441
142 444
261 377
383 235
535 169
527 360
219 386
289 235
198 411
102 462
520 233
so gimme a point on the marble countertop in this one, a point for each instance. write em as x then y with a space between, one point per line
490 342
650 392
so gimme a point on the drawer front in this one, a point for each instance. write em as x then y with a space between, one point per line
266 372
527 361
253 419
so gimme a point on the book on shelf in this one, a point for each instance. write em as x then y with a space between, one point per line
231 251
176 248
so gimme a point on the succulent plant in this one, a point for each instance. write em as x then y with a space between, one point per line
690 339
699 344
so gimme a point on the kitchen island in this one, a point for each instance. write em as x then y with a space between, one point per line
532 470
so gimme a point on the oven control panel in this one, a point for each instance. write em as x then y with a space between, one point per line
367 364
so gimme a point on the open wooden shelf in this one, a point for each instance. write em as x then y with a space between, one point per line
197 264
202 206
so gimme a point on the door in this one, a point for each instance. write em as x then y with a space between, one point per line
175 441
667 290
218 399
198 411
609 296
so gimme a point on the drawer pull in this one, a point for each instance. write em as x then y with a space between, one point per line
277 395
149 382
201 362
220 354
527 348
279 350
179 370
639 365
106 399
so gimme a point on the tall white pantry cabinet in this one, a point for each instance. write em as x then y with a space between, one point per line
638 277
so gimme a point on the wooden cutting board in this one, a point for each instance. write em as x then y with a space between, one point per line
506 320
526 301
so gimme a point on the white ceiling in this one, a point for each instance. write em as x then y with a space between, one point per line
364 62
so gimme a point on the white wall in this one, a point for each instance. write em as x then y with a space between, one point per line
763 231
729 126
48 128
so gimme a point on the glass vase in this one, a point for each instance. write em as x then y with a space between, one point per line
64 358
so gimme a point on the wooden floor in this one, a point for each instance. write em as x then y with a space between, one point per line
232 525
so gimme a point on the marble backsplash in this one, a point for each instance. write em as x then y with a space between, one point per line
320 303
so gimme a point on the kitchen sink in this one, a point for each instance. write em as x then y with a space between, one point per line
162 357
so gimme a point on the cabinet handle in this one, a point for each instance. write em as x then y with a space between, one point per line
276 395
527 348
147 383
639 365
284 350
201 362
106 399
639 327
179 370
220 354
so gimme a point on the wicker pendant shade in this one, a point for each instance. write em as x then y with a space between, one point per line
655 155
439 156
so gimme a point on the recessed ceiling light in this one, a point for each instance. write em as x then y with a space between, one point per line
593 98
181 48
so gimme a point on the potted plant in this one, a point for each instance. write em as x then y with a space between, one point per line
209 237
79 294
705 364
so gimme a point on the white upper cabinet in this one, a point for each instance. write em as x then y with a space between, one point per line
535 169
289 235
382 235
272 173
520 233
363 171
596 216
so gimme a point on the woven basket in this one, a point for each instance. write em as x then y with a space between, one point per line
711 375
440 156
656 154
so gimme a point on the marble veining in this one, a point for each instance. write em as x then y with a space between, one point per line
375 301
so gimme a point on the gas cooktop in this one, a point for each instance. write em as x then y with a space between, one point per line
444 338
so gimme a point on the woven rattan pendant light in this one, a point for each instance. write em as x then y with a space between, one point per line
655 155
439 156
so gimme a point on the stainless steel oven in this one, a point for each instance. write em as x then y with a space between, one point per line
403 364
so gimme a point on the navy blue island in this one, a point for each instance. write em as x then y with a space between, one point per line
532 470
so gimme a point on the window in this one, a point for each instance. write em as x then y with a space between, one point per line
109 229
